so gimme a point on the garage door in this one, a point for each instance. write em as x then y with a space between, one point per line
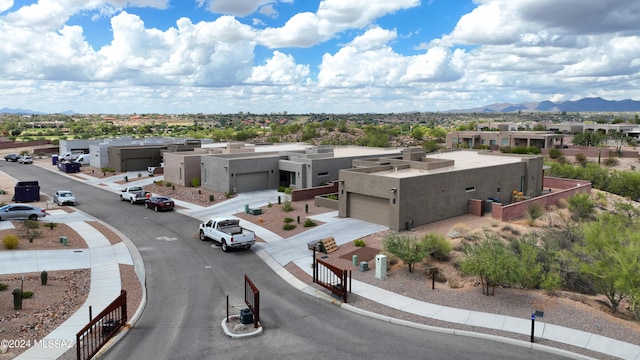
136 164
252 181
369 208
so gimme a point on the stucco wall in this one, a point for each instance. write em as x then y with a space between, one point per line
310 193
563 188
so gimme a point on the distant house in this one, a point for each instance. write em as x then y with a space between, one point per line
420 189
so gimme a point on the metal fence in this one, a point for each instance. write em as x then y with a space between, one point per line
102 328
331 277
252 299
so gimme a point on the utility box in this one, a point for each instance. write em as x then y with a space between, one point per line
26 191
246 316
364 266
381 266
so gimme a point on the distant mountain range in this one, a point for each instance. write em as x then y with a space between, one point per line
29 112
583 105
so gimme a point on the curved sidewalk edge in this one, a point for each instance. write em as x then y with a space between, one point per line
310 290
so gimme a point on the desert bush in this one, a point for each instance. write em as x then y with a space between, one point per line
159 182
359 243
309 223
534 212
195 182
581 159
3 287
287 207
555 153
289 226
51 225
437 246
168 184
288 191
211 197
281 188
610 161
288 220
30 229
27 294
11 241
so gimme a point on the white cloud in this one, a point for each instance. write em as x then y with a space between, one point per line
235 7
281 69
5 5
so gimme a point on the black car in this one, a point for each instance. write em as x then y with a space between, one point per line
12 157
159 203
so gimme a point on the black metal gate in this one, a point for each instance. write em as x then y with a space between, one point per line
102 328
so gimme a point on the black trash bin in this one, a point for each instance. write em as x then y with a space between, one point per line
26 191
246 316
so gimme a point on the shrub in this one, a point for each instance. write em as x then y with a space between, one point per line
555 153
27 294
287 207
159 182
309 223
288 220
168 184
195 182
211 197
30 229
534 211
51 225
289 226
139 175
332 197
281 188
610 161
11 241
359 243
107 169
581 159
3 287
229 194
287 191
437 246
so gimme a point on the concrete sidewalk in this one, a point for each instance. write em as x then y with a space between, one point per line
105 286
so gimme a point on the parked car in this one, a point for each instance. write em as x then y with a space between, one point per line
11 157
25 159
64 197
159 203
21 211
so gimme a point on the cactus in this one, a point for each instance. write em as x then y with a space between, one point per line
43 277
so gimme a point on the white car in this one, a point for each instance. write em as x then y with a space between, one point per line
25 159
64 197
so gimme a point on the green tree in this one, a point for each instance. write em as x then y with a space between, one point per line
492 261
406 248
610 256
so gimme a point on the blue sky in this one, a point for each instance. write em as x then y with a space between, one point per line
309 56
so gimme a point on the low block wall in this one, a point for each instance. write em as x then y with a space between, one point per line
475 207
310 193
322 201
563 188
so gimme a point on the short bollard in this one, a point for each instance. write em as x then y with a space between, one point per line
533 325
354 259
17 299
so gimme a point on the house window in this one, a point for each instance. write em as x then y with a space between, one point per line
323 174
498 187
470 189
505 141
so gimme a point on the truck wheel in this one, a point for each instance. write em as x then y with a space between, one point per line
225 248
247 247
132 202
202 236
155 208
146 205
121 198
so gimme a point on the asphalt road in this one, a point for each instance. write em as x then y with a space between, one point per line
188 281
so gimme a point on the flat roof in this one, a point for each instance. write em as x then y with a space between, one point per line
463 160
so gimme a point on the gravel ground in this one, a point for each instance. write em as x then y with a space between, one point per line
576 311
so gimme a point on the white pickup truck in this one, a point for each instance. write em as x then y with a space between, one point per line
228 233
133 194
